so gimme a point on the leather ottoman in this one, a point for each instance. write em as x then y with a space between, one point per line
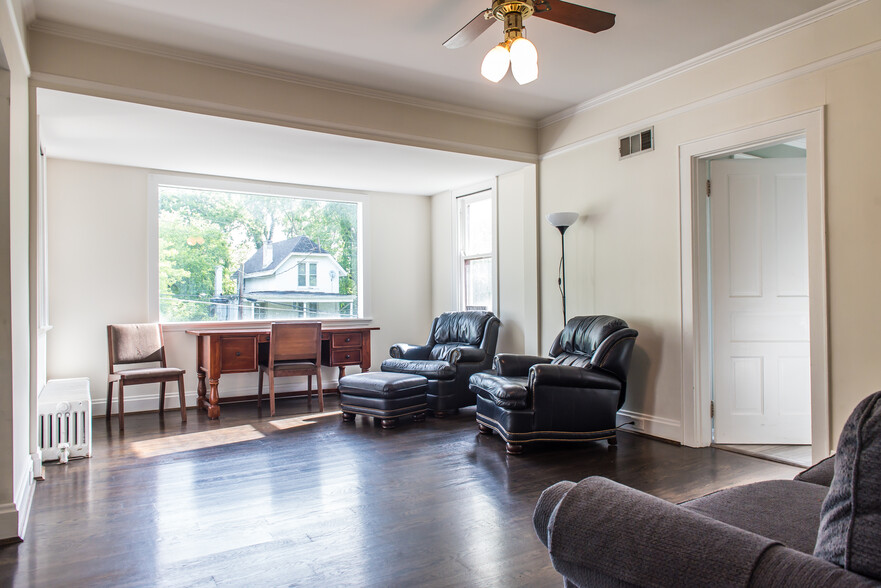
383 395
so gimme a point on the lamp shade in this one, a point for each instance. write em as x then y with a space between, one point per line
562 220
524 60
495 64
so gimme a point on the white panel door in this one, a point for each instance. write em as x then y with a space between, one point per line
759 285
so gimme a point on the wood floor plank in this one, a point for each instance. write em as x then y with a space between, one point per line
302 499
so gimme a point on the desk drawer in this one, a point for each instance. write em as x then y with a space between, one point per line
345 340
346 356
238 354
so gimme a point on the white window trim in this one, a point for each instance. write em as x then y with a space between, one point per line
222 184
458 294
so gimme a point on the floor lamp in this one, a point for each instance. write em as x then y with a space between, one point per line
562 220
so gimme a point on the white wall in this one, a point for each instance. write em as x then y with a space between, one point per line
16 471
516 202
98 268
624 259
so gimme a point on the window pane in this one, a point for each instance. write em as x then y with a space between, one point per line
226 256
478 227
478 284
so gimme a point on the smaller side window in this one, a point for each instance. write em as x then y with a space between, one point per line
313 274
301 274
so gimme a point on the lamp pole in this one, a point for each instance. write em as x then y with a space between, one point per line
562 221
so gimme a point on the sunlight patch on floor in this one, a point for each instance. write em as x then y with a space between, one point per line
191 441
302 421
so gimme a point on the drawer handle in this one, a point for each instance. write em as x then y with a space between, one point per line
348 356
348 339
238 353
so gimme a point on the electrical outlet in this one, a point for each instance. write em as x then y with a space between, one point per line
638 425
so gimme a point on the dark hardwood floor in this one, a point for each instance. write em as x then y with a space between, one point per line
304 499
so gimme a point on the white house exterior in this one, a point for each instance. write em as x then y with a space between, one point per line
291 279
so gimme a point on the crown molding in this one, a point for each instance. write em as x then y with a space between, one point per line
125 43
739 45
721 97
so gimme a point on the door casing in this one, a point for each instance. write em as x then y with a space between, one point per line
695 369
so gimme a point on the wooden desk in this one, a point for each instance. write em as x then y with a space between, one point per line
230 350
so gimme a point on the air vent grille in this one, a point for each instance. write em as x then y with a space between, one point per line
631 145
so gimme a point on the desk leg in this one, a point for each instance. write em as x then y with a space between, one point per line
342 372
214 400
201 389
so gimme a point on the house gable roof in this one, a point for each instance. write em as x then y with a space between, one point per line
280 251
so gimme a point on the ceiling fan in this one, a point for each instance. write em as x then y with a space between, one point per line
516 50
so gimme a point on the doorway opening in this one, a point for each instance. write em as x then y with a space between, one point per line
757 280
755 336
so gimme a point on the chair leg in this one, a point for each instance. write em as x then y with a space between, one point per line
182 393
109 400
320 391
161 398
271 394
259 389
121 403
309 390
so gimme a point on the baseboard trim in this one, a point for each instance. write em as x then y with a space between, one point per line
651 425
150 402
14 515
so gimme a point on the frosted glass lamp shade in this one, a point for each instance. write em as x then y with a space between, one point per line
524 60
495 64
562 220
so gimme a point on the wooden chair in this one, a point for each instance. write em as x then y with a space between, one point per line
139 344
294 350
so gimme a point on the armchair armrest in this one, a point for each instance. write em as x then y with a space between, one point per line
572 376
405 351
600 529
513 365
467 354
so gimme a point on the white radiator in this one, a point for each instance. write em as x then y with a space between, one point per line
65 419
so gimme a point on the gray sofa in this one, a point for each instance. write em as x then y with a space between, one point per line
821 529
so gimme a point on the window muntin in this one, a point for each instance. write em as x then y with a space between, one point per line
234 255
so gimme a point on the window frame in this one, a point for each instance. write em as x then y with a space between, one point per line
485 190
221 184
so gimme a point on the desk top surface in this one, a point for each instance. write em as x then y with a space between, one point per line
233 330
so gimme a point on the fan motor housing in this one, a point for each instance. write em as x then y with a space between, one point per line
501 8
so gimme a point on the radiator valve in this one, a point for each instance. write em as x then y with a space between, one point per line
63 452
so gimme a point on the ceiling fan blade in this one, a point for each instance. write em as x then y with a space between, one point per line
580 17
471 31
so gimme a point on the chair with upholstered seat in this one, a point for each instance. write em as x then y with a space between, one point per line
294 350
573 395
459 345
140 344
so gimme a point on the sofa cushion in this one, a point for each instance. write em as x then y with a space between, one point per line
851 518
463 327
433 370
507 392
783 510
583 334
819 473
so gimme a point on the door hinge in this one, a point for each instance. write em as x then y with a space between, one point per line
708 188
712 409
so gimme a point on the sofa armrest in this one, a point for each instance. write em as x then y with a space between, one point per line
602 528
572 377
405 351
782 566
820 473
513 365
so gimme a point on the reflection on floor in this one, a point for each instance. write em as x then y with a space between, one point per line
799 455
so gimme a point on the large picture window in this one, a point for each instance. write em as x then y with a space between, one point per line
238 256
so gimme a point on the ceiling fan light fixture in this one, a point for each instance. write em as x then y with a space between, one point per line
495 64
524 60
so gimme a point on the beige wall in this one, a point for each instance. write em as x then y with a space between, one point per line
624 258
98 274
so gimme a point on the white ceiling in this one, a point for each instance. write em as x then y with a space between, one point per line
86 128
396 45
390 45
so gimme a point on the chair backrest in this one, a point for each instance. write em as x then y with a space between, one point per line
603 341
135 343
299 341
454 329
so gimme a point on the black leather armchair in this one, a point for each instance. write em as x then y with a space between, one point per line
573 395
459 345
